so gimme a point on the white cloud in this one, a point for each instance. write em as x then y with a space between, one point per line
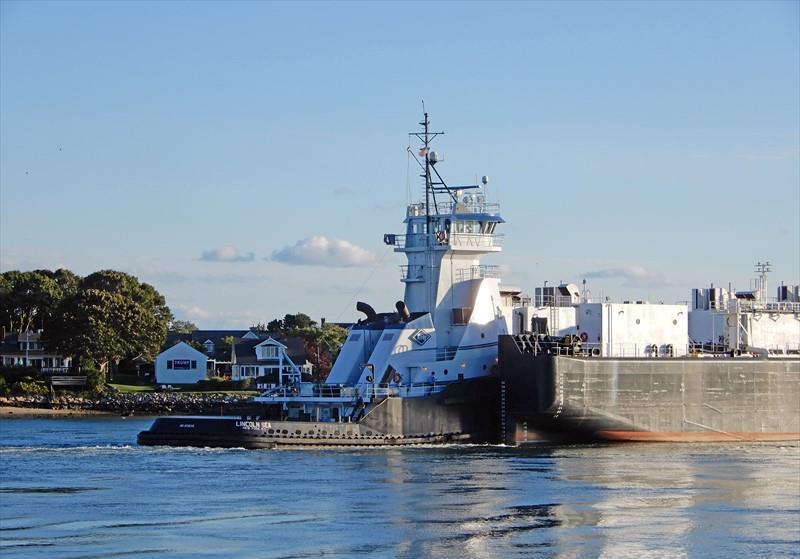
321 251
634 276
193 312
215 319
227 254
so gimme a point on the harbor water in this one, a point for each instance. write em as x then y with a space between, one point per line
82 488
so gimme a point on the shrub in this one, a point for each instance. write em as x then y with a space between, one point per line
32 388
95 380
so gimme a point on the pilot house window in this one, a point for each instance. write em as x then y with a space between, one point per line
462 315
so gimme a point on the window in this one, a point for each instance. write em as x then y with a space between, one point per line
269 352
354 337
462 315
194 364
169 364
209 346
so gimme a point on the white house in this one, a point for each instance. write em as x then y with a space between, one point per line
267 358
180 364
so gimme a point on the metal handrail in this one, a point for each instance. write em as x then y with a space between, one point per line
478 272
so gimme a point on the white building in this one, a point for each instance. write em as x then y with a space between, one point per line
180 364
268 358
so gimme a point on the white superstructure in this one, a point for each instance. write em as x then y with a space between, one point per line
446 326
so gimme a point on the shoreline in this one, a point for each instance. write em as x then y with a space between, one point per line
13 412
146 404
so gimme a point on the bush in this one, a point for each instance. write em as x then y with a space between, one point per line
95 380
32 388
219 384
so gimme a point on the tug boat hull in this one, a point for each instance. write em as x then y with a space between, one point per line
464 412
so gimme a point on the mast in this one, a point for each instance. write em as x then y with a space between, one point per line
426 150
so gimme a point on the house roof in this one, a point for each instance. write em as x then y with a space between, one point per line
11 341
186 346
220 353
246 349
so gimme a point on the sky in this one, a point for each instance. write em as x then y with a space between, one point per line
247 158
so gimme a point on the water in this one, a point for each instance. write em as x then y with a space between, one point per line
73 488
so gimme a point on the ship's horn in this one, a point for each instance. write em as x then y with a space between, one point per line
402 310
367 310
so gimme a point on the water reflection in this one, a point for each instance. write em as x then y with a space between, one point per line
98 499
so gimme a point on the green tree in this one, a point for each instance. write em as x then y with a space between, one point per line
322 346
182 326
112 316
29 300
227 344
290 322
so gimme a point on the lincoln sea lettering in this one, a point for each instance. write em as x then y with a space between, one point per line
253 425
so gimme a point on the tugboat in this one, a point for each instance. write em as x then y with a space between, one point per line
465 359
425 372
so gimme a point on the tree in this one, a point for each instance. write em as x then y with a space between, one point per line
112 316
227 344
182 326
29 300
322 346
289 323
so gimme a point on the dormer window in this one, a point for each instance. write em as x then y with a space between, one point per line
269 352
209 346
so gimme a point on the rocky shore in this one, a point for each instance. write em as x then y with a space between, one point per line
138 403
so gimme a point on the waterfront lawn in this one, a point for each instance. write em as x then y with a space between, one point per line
132 388
190 389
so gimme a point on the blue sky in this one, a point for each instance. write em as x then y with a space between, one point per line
246 158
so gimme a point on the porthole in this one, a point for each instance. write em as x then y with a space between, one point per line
674 322
298 432
270 431
638 321
445 371
285 432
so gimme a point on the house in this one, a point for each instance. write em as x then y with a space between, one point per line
30 349
213 344
181 364
270 358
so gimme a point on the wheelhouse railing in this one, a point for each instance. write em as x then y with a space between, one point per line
412 272
478 272
459 240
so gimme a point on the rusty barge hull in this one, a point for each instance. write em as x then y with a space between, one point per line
550 397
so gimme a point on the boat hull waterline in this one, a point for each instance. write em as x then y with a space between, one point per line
464 412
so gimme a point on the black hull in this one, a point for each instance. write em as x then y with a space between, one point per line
465 412
585 399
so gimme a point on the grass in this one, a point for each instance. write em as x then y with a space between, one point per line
186 390
132 388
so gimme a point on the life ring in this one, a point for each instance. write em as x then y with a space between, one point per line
441 236
584 337
397 378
